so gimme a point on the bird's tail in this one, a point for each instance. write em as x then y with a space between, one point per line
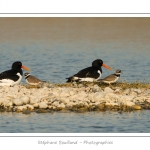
69 79
100 80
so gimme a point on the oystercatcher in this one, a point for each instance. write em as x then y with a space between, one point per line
90 74
112 78
32 80
13 76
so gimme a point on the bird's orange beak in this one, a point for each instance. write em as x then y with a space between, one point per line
106 67
25 68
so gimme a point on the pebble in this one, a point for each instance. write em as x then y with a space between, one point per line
9 104
26 111
138 91
126 92
108 90
137 107
43 105
97 97
129 103
25 99
41 111
34 99
77 98
17 102
96 88
30 107
2 100
36 105
21 108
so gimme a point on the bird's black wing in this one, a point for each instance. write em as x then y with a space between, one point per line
9 74
90 72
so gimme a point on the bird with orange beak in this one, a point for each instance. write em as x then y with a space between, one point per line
13 76
90 74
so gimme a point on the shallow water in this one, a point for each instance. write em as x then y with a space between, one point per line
91 122
56 48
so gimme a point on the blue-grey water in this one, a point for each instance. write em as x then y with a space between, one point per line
56 48
90 122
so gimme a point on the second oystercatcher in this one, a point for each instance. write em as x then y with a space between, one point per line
90 74
13 76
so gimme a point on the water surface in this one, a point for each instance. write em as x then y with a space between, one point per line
90 122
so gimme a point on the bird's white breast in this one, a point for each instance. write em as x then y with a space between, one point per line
9 82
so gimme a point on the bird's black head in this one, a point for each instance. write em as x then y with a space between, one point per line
16 65
98 63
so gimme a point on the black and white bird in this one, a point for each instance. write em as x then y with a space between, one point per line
32 80
90 74
112 78
13 76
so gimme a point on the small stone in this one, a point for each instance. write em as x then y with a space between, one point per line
25 99
27 111
9 104
56 103
138 91
43 105
64 100
108 90
65 111
126 92
41 111
137 107
64 94
133 93
129 103
75 84
36 105
21 108
118 91
126 98
113 104
9 97
62 105
80 85
101 106
34 100
147 92
71 93
107 104
5 102
96 88
2 100
30 107
97 97
17 102
80 96
88 89
82 110
9 109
